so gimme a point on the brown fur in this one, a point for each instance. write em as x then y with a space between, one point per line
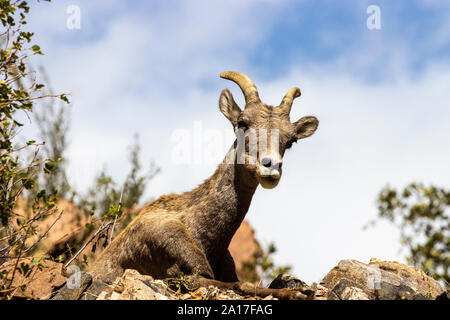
190 232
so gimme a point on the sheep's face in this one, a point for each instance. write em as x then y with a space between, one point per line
264 133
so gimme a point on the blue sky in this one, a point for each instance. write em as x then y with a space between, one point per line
299 32
381 97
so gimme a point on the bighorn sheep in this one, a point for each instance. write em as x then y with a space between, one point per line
189 233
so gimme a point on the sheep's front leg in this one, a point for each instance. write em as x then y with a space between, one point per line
226 269
179 247
189 260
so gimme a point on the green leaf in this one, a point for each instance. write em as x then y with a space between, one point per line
36 49
61 257
49 167
64 98
29 184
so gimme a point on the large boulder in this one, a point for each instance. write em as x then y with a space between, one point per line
383 280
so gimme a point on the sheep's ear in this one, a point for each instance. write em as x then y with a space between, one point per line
305 127
229 107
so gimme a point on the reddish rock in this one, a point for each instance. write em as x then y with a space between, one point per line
68 229
244 247
40 282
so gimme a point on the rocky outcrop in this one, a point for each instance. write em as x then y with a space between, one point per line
349 280
383 280
134 286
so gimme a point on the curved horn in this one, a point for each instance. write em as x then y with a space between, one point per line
286 103
245 83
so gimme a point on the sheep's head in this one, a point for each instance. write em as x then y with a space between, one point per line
263 132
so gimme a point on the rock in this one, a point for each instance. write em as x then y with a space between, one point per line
444 296
74 291
413 277
199 294
383 280
215 293
134 286
347 290
94 290
287 281
41 281
243 246
320 292
212 293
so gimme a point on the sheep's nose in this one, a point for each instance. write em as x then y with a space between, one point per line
266 162
270 162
